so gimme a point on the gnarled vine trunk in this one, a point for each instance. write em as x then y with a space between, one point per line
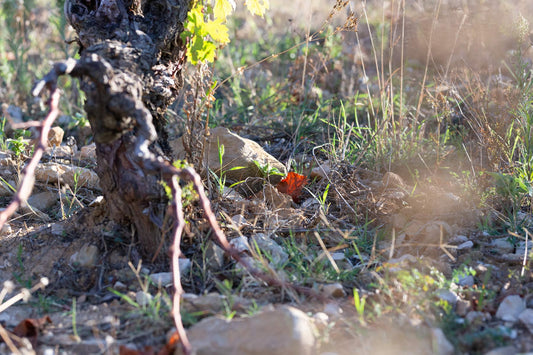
131 63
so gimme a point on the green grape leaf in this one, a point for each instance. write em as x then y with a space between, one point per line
218 31
223 8
257 7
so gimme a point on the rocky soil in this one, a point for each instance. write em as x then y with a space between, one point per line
434 283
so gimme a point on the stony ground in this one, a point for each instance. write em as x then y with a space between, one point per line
418 257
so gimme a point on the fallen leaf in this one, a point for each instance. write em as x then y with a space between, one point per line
123 350
30 328
170 347
292 185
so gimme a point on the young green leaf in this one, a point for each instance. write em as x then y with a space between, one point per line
257 7
223 8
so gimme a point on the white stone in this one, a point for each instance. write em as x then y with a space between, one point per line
510 308
466 280
458 239
466 245
163 278
277 253
240 243
441 345
521 248
143 298
448 296
503 245
526 318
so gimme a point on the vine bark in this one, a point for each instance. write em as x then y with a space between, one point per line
131 60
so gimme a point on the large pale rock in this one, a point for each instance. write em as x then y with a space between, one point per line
282 331
510 308
238 152
74 176
43 200
441 345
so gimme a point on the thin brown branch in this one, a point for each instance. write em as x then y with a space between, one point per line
179 224
28 178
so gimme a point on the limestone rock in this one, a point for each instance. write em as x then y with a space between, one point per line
238 152
526 318
81 177
55 136
87 256
503 245
281 331
441 345
265 243
510 308
241 244
88 152
43 200
59 150
448 296
214 256
71 175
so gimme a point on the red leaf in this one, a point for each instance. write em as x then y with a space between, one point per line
170 347
292 185
30 328
123 350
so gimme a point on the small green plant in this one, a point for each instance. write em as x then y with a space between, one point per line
267 170
154 307
220 177
359 304
19 144
226 289
73 313
512 190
